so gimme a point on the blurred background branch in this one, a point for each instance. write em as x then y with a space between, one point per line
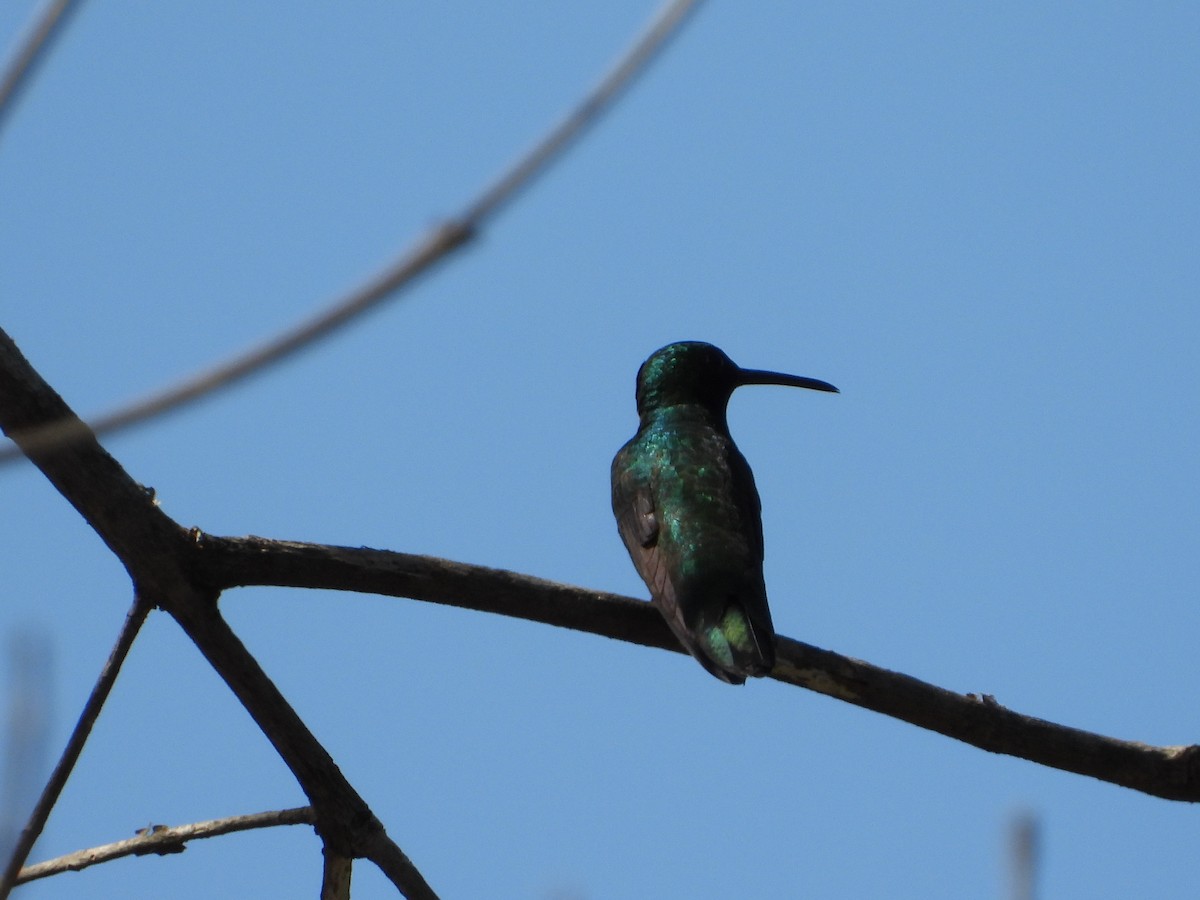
29 697
1024 839
431 248
31 48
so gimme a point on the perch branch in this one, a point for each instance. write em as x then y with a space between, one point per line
1169 772
188 574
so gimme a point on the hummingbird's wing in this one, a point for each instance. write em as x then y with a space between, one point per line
638 522
754 596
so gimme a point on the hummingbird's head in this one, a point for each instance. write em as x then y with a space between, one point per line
686 372
696 372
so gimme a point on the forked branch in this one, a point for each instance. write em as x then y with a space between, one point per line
159 555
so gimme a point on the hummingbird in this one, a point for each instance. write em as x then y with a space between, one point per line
689 513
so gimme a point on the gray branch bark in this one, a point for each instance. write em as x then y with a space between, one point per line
163 840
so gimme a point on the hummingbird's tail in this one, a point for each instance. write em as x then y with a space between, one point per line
735 647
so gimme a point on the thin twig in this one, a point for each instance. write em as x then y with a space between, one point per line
46 25
62 771
432 247
163 840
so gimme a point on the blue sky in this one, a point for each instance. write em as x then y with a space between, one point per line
980 221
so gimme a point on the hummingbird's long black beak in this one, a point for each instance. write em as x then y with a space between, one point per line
757 376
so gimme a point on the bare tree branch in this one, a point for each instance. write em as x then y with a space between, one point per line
163 840
66 763
32 47
159 556
394 864
335 876
431 248
1169 772
344 821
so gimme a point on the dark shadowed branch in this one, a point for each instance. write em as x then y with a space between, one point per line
432 247
158 555
977 719
335 876
344 821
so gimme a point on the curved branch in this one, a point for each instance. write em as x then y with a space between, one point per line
163 840
1169 772
645 47
431 248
